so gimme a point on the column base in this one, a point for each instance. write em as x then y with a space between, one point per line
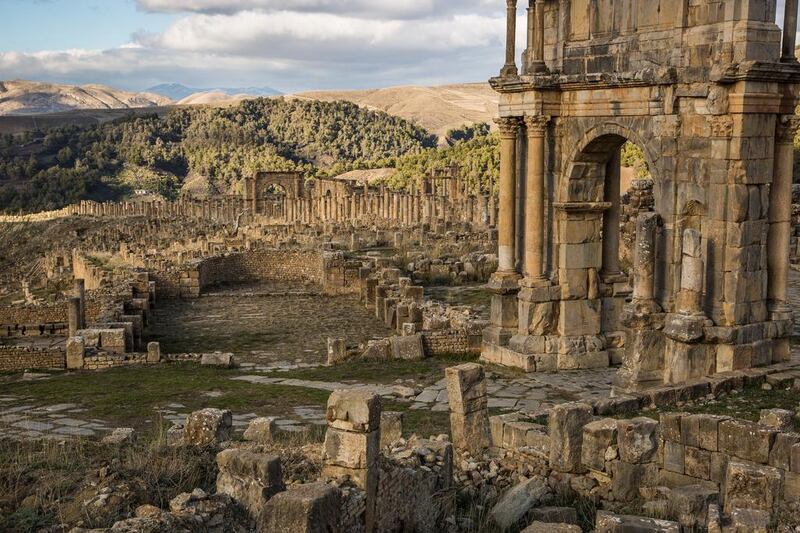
509 71
504 282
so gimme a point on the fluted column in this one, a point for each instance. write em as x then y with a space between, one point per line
509 70
534 198
789 31
780 212
509 129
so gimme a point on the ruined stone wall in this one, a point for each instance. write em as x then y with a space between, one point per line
35 315
450 342
16 358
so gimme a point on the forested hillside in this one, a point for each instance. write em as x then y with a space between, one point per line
51 169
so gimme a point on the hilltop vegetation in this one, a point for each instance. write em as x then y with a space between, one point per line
40 171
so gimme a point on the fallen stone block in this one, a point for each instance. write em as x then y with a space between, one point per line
260 430
224 360
555 515
777 419
566 435
120 436
638 440
311 508
207 427
752 486
689 505
354 410
612 523
391 427
549 527
251 479
514 505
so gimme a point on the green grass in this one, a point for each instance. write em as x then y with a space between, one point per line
746 404
423 372
128 395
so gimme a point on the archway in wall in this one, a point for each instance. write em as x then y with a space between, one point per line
272 200
608 184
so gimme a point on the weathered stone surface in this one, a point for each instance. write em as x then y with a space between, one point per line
251 479
612 523
746 440
354 410
555 515
599 443
516 503
777 419
749 521
76 350
348 449
550 527
120 436
638 440
566 435
207 427
224 360
751 486
311 508
391 427
153 352
337 351
689 505
260 430
466 388
409 348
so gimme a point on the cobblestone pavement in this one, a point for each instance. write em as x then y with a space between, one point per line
24 419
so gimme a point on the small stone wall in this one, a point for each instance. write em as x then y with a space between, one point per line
449 342
16 358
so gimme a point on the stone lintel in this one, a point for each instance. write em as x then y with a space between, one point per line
582 207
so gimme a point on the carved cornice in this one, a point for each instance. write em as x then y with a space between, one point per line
787 128
508 126
537 125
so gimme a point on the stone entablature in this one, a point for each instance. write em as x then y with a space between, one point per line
705 89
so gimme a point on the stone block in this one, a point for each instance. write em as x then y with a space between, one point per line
599 443
466 388
347 449
791 488
76 351
222 360
377 349
689 505
708 431
749 521
391 427
777 419
517 502
539 526
690 430
207 427
354 410
697 463
638 440
251 479
337 351
674 457
566 435
607 522
555 515
153 352
120 436
752 486
780 456
408 348
261 430
746 440
671 426
471 431
310 508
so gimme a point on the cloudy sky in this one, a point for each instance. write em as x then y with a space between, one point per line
286 44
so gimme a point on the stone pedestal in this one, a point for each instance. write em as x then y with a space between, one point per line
469 414
504 311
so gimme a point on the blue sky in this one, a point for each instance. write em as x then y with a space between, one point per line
290 45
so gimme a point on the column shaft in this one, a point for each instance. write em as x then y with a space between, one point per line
510 68
780 211
789 31
509 128
534 198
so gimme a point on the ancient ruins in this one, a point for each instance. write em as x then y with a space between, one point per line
581 352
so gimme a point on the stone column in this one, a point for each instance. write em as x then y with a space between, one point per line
534 198
352 443
789 32
74 315
469 411
780 213
645 258
536 57
509 70
509 129
611 218
690 298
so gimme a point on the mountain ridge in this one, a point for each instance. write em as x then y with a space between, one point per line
178 91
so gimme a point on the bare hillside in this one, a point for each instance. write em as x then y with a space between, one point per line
436 109
21 97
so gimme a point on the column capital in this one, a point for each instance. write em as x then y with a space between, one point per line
511 4
787 128
509 126
537 125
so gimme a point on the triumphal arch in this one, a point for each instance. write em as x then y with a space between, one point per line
707 89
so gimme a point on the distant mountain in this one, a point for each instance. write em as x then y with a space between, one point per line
176 91
20 97
437 109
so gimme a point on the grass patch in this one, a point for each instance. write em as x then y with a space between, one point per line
128 395
422 422
745 404
423 372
